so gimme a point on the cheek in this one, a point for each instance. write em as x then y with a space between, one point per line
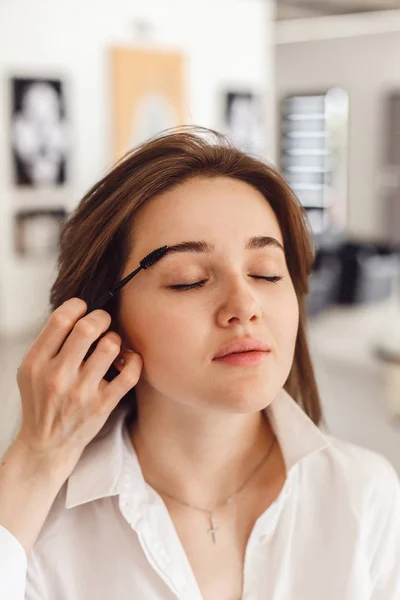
159 336
286 319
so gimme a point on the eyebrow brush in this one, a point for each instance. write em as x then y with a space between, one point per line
147 262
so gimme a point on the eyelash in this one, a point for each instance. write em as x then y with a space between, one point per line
198 284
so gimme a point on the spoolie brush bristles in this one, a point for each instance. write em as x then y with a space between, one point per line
147 262
153 257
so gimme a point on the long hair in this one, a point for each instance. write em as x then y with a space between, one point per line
94 242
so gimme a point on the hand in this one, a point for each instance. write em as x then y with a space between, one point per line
65 401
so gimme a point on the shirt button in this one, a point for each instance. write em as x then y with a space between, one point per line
265 538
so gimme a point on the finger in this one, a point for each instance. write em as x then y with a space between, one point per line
58 326
113 391
97 365
85 332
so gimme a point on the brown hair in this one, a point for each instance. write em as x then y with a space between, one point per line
95 239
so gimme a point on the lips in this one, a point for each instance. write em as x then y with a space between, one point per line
242 345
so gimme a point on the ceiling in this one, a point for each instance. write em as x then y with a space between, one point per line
296 9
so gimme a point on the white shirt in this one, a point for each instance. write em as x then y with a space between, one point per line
332 534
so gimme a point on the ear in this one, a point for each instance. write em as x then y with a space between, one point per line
119 362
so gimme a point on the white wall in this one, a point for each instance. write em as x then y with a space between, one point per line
226 42
361 54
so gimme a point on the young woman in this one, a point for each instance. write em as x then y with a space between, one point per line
185 457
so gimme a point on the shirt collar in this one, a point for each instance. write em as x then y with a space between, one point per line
98 473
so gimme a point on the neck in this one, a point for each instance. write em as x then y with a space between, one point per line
197 455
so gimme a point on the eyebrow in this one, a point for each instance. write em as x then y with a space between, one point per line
203 247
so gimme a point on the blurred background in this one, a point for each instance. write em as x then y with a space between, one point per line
312 86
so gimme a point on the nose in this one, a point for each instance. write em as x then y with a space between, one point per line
239 304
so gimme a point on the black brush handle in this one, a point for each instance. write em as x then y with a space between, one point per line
101 302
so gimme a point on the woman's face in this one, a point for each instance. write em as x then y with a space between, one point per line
178 333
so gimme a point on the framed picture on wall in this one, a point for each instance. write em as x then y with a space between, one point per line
38 132
242 119
37 232
148 95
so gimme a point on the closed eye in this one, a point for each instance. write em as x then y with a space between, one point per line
198 284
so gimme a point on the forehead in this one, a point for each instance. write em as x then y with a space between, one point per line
222 210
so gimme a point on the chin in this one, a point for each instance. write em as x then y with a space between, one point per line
248 402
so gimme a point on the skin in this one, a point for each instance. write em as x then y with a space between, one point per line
200 427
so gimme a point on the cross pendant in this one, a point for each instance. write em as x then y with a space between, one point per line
212 529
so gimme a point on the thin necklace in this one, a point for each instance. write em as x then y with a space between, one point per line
213 529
